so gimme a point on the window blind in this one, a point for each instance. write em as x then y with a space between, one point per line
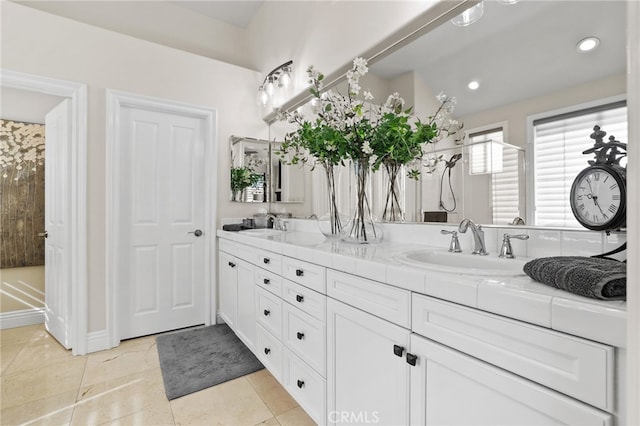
558 145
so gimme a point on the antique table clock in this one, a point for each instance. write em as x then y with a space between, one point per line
598 194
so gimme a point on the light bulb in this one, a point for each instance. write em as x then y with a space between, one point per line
270 86
469 16
263 97
285 79
473 85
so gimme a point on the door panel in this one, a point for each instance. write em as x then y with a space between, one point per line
57 218
161 205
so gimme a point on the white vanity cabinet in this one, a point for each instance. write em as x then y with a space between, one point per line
452 388
503 372
367 338
228 282
237 292
367 376
352 350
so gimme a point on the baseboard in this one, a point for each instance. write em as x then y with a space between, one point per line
21 318
97 341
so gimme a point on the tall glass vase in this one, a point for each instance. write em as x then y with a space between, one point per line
331 224
361 229
394 198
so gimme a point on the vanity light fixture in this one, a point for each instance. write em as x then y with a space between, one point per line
588 44
473 85
279 77
469 16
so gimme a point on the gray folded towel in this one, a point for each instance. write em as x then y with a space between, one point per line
585 276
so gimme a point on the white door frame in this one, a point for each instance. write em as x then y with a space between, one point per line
77 93
116 100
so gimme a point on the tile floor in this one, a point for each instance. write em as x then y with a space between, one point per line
43 384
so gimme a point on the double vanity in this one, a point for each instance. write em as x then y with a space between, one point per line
398 334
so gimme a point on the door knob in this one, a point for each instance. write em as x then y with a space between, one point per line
44 234
197 233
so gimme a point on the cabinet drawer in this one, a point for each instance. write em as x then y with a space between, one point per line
305 336
384 301
269 281
269 352
573 366
305 299
305 386
449 387
244 252
269 311
269 261
307 274
225 245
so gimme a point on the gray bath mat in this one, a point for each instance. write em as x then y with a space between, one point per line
196 359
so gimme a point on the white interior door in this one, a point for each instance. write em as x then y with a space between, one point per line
161 276
57 295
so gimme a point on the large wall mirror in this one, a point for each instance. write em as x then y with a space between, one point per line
525 60
259 176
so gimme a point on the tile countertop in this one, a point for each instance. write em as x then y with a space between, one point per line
519 297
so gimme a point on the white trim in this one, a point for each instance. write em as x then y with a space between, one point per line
97 341
22 318
77 93
633 223
116 100
529 151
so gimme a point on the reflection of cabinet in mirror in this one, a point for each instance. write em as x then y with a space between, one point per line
484 179
268 180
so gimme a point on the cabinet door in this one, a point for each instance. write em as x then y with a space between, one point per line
451 388
246 319
366 381
228 288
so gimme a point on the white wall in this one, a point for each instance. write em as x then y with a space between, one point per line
39 43
326 34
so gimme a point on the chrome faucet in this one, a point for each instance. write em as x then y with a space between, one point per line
277 223
478 236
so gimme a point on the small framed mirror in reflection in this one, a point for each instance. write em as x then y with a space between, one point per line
257 174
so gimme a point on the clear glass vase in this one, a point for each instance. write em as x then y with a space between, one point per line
394 207
237 195
332 222
361 229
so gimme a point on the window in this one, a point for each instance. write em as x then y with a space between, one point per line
558 142
488 154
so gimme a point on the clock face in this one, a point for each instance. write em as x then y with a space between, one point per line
598 198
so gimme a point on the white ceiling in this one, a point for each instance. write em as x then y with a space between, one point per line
238 12
515 51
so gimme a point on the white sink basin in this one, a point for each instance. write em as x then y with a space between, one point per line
263 232
463 263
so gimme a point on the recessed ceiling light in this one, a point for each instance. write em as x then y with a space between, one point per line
473 85
588 44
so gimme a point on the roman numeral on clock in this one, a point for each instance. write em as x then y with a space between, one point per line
613 208
614 186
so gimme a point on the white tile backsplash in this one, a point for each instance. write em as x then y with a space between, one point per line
581 243
544 243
